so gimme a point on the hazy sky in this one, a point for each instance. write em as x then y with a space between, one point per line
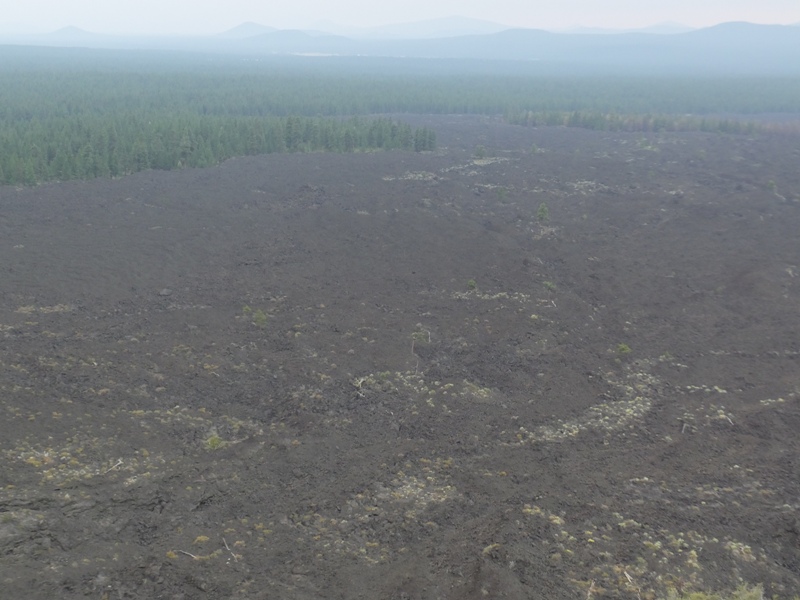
213 16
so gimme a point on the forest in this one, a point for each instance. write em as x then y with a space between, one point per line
109 145
78 113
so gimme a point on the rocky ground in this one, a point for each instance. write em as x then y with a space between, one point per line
538 363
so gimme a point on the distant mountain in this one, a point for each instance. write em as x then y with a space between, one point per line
290 41
252 30
71 37
589 31
665 28
432 28
246 30
728 48
733 29
72 33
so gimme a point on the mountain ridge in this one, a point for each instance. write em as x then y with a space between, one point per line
729 48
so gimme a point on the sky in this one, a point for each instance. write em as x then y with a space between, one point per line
193 17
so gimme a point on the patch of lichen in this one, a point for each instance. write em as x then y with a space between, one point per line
636 392
385 510
668 563
80 451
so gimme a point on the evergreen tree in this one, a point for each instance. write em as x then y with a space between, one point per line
348 140
140 157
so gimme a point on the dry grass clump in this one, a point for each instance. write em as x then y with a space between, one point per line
744 592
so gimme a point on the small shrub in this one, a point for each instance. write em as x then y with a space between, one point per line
260 318
421 336
214 443
480 152
623 349
549 286
472 285
543 214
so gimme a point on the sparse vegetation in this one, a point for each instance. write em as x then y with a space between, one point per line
421 335
257 317
745 592
369 406
260 318
214 442
543 213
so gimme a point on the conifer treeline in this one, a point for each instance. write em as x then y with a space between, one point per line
62 148
600 121
91 117
78 113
